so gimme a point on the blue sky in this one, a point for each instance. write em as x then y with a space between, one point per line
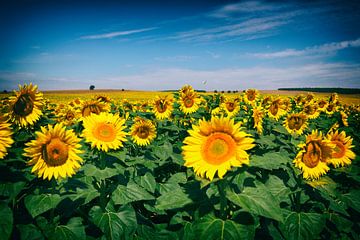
223 45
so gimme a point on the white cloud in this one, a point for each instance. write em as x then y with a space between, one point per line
315 50
116 34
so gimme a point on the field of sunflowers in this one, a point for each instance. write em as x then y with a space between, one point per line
179 166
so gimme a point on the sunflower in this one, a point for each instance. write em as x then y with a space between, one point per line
311 111
186 89
5 138
322 104
299 99
276 109
143 131
104 131
26 105
189 102
68 116
287 104
342 154
344 118
162 107
76 103
103 98
258 115
266 100
54 152
251 95
331 109
295 123
334 98
215 146
313 156
309 97
230 106
93 106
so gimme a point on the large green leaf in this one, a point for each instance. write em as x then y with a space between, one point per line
99 174
341 223
86 194
270 160
353 199
115 225
302 225
173 199
74 230
130 193
148 182
278 189
11 190
38 204
29 232
258 201
212 228
6 221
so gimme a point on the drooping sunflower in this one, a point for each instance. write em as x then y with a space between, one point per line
215 146
143 131
230 106
311 111
276 109
26 105
104 131
313 157
331 109
162 107
251 95
342 154
189 102
322 104
54 152
344 118
68 115
93 107
5 137
334 98
295 123
258 116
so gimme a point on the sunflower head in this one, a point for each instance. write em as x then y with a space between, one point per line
342 155
54 152
314 155
334 98
215 146
230 106
189 102
93 107
68 115
309 97
162 107
331 109
300 99
295 123
104 131
311 111
258 115
5 137
186 89
103 98
143 131
322 104
26 105
251 95
276 109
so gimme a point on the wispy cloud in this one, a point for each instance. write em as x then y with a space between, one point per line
116 34
179 58
310 51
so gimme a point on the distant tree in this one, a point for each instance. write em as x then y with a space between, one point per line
122 89
234 91
92 87
222 91
5 91
215 91
229 91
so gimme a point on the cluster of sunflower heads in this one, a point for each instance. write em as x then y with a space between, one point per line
318 152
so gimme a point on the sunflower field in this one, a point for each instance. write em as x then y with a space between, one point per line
179 166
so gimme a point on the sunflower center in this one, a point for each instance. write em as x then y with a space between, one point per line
309 110
250 96
143 132
330 108
24 105
322 104
312 156
55 153
188 102
161 106
230 106
104 132
295 123
218 148
339 150
91 109
70 115
274 108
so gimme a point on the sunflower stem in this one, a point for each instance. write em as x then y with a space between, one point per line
221 184
102 160
53 191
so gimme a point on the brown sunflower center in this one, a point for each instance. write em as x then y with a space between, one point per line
312 156
104 132
230 106
143 132
339 150
70 115
55 153
295 122
250 95
218 148
330 108
309 110
161 106
188 102
274 108
322 104
24 105
93 108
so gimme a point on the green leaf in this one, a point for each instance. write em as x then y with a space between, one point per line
148 182
178 178
172 200
277 188
258 201
11 190
341 223
353 199
115 225
99 174
74 230
267 141
163 152
212 228
86 194
121 155
6 221
302 225
29 232
130 193
270 160
38 204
